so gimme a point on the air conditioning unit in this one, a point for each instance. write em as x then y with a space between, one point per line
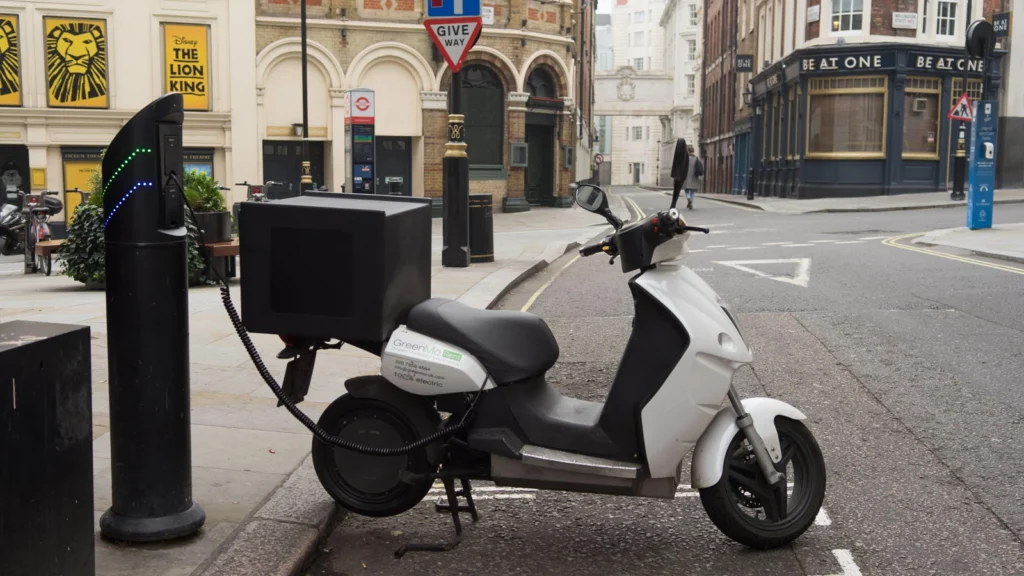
920 104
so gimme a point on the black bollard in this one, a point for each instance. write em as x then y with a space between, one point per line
147 330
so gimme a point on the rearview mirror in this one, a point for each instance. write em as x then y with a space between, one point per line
591 198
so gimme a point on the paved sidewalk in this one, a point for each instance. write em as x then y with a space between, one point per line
266 511
863 204
1003 241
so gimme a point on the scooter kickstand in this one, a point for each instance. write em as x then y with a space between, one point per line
469 506
452 506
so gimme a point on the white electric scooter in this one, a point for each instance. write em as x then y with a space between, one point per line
759 470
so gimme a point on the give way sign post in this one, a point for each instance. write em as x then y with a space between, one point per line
454 37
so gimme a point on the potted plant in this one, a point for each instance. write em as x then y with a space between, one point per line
211 213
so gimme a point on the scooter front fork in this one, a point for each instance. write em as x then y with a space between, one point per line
746 424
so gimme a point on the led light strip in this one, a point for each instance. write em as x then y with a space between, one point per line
125 197
123 164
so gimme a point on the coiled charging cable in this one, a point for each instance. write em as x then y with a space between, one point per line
320 433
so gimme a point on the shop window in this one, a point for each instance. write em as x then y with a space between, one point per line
847 15
846 117
199 159
945 18
483 99
79 166
921 118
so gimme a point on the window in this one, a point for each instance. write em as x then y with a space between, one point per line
921 117
791 127
776 126
691 50
638 133
483 99
638 38
638 17
693 15
691 84
924 18
540 85
945 18
847 15
638 63
846 117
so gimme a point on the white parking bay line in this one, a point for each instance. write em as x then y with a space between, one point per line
698 250
773 243
822 241
851 242
744 248
822 519
795 245
846 563
719 246
873 238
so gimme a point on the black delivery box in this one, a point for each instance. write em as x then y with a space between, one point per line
330 265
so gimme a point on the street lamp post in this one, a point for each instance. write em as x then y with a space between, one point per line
307 177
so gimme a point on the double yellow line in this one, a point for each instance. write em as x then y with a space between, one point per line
894 242
640 213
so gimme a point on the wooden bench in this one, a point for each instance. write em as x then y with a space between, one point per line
228 250
48 247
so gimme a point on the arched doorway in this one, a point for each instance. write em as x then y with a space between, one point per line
541 122
483 104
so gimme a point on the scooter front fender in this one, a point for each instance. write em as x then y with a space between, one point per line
709 454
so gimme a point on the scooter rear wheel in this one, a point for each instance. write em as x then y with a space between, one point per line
365 484
737 503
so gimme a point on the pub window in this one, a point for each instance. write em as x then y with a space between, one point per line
764 131
483 98
945 18
791 127
847 15
846 117
921 117
776 125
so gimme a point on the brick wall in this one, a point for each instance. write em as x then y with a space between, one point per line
881 17
516 132
435 133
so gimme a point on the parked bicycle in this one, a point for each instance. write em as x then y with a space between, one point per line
255 192
38 208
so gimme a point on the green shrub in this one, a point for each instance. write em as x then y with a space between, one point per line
203 192
82 254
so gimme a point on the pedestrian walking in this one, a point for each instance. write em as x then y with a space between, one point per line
694 177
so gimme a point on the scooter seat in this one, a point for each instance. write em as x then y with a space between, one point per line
512 346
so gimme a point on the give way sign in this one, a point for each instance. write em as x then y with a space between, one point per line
454 37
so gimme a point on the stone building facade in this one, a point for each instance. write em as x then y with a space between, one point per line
526 81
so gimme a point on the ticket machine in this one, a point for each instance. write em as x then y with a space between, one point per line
359 140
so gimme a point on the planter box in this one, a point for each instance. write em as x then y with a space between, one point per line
215 226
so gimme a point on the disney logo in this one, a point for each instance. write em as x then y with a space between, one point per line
183 41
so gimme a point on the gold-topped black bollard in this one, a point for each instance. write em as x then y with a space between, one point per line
455 226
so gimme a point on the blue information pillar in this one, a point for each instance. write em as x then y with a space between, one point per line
981 176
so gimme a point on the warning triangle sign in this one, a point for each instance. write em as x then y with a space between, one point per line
962 110
796 271
454 37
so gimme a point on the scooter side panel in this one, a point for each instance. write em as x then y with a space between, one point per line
424 366
684 406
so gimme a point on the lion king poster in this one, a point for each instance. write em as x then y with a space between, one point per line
76 62
10 61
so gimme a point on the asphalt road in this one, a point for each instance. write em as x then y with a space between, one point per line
909 366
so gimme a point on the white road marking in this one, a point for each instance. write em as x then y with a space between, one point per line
796 245
745 248
773 243
719 246
822 519
846 563
821 241
873 238
851 242
697 251
801 275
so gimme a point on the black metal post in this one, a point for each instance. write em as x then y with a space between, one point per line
456 183
307 176
960 162
147 329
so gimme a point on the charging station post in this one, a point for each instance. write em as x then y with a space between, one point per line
147 329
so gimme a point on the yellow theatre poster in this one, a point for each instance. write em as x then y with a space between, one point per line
10 61
187 63
79 166
76 62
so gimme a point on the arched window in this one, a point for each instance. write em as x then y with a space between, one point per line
483 103
540 84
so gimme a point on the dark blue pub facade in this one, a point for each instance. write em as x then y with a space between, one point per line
857 120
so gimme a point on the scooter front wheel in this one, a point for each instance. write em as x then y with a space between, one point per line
749 510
